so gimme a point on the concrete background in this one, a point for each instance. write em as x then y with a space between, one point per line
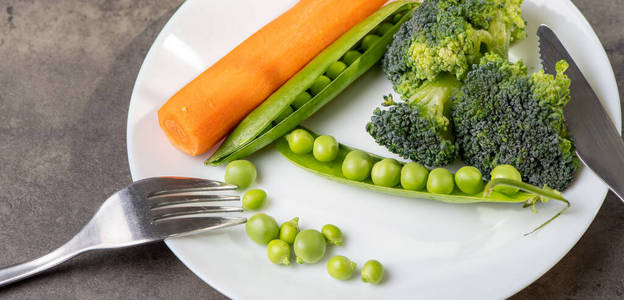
67 68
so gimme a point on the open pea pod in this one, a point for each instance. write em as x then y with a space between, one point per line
316 84
528 195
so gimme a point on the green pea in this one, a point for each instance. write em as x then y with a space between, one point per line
309 246
414 176
332 234
319 84
440 181
325 148
261 228
469 180
369 41
335 69
254 199
300 141
283 115
372 272
507 172
356 165
301 99
278 252
397 17
386 172
351 56
289 230
241 173
384 28
340 267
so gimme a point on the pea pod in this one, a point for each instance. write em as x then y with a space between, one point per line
317 79
529 195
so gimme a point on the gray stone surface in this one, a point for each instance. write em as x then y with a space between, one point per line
67 68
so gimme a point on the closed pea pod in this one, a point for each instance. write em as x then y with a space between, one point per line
249 137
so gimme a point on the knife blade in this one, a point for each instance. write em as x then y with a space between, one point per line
598 144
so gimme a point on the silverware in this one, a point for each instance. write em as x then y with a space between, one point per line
597 141
145 211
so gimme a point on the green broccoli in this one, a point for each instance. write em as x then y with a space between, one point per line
503 115
450 36
419 128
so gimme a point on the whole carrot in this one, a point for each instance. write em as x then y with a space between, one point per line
206 109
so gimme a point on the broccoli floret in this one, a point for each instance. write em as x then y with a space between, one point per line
419 128
503 115
450 36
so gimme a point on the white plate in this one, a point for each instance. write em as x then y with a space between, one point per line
429 249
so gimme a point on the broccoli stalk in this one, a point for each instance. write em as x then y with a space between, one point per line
419 128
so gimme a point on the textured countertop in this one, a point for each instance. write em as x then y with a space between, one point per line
67 68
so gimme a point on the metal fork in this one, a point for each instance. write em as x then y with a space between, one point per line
146 211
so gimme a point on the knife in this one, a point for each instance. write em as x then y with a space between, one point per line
598 144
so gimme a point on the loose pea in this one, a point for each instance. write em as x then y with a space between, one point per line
289 230
335 69
301 99
351 56
325 148
469 180
332 234
384 28
386 172
261 228
309 246
340 267
372 272
414 176
440 181
300 141
319 84
356 165
254 199
283 115
278 252
369 40
508 172
241 173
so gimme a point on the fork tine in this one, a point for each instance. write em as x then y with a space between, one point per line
175 185
166 200
185 226
189 211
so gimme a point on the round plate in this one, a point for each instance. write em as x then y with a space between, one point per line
429 249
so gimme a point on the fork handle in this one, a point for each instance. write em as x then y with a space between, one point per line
75 246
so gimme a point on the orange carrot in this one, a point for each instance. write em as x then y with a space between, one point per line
208 108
